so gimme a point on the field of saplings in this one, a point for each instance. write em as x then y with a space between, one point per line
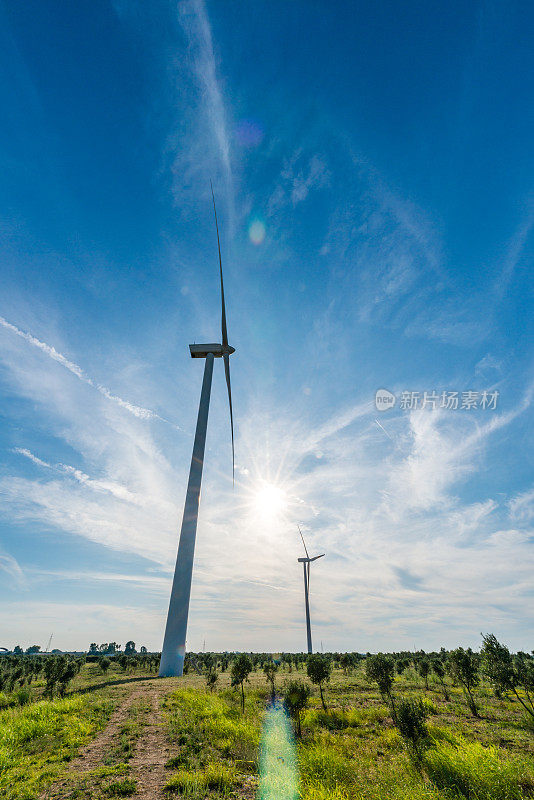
452 724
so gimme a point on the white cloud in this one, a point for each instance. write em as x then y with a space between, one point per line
522 506
384 510
201 148
299 176
11 567
51 352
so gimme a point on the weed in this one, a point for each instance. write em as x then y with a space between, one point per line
123 788
216 777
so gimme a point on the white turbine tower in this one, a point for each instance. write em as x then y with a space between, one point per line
306 564
173 651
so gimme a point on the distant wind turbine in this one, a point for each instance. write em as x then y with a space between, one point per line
306 565
173 651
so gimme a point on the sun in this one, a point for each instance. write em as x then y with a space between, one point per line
269 500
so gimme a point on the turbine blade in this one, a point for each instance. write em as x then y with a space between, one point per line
226 359
316 557
223 314
303 542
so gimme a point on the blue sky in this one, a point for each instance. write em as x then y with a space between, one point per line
372 165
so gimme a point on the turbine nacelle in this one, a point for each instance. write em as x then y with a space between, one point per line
309 560
217 350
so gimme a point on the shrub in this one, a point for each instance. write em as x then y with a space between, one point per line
411 715
211 680
104 664
22 696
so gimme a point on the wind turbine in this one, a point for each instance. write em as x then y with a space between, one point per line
173 651
306 565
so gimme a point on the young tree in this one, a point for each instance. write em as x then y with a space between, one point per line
400 665
346 662
507 673
296 698
319 668
209 662
211 679
411 715
104 664
241 669
270 669
67 670
463 666
439 671
380 669
424 669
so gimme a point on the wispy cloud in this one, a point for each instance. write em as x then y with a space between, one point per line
105 486
300 175
522 506
75 369
205 151
10 565
514 252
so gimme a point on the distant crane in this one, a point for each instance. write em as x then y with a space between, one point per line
49 643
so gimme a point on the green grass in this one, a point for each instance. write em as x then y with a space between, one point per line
484 773
36 740
124 788
352 751
196 782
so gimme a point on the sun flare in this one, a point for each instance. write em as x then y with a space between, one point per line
269 500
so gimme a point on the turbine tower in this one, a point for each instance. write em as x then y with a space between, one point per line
173 651
306 565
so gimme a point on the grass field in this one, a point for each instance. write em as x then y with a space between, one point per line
99 741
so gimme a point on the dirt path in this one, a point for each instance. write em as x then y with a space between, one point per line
152 751
147 766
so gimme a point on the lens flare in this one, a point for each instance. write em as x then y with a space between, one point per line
249 132
278 763
256 231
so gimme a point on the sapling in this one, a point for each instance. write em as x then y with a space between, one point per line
270 669
463 666
439 671
380 668
296 698
507 673
319 668
241 669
